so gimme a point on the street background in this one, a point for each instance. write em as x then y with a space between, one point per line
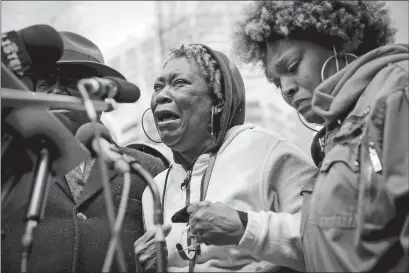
135 38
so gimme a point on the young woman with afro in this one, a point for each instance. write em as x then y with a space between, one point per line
336 64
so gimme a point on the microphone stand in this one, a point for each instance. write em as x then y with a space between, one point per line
39 191
160 239
19 98
92 115
39 196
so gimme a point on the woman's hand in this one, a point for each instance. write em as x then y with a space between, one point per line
145 250
215 223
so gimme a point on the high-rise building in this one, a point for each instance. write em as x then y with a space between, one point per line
210 23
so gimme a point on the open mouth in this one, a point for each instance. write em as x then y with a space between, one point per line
166 116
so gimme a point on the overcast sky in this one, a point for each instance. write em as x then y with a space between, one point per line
109 23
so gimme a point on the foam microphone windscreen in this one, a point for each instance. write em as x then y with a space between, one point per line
64 120
85 134
44 45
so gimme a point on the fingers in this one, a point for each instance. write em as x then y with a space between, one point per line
146 254
145 250
149 235
194 207
149 238
148 262
143 244
139 248
195 214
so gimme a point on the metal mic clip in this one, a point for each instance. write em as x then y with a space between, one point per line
98 88
102 88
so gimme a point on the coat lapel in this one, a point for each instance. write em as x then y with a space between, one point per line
94 182
63 184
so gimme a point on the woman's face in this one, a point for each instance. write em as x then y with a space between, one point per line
181 105
295 67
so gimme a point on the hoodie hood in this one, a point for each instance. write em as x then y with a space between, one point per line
234 106
338 94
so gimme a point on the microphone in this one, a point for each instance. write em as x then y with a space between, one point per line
39 195
108 151
36 47
21 98
48 150
36 122
112 87
64 120
110 154
16 162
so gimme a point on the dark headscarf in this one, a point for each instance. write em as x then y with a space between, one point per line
234 92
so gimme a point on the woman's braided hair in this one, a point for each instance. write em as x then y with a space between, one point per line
208 66
351 26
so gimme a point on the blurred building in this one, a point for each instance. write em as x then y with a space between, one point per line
210 23
140 60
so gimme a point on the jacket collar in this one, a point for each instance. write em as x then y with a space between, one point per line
92 186
334 97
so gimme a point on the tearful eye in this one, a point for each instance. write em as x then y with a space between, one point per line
157 87
179 82
293 67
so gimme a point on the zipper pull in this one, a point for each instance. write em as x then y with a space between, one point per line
186 180
374 157
321 142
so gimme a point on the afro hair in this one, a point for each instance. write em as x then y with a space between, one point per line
208 66
351 26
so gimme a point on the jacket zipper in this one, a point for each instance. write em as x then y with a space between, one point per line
374 157
186 180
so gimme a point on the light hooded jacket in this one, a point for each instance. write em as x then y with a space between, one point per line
255 171
357 215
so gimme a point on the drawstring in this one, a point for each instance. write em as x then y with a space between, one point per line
186 180
203 191
164 188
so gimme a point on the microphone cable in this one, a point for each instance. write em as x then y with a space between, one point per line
118 223
160 239
92 115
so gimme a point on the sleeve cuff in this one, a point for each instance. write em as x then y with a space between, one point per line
249 238
243 218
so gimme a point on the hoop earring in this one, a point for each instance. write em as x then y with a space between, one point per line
143 127
303 123
336 55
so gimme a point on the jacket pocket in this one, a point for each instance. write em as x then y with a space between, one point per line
335 197
306 197
133 205
306 192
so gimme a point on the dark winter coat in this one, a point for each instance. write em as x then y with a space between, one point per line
74 237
